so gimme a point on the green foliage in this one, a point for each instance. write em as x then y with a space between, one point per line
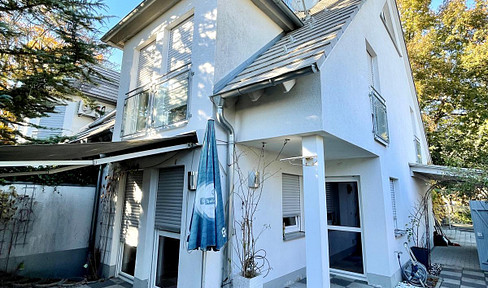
7 205
47 47
448 50
82 176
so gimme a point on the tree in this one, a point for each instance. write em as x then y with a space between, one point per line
448 50
47 47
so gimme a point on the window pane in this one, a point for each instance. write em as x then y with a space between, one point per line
290 221
170 101
135 113
345 251
342 204
129 259
168 257
380 118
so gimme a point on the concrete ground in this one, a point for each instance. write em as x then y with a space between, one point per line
460 263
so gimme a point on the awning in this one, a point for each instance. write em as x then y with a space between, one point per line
86 154
441 173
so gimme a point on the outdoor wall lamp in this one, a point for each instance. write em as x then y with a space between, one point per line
192 180
253 179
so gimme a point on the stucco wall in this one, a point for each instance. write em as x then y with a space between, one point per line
57 237
242 30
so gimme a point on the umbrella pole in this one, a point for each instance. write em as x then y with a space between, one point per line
204 267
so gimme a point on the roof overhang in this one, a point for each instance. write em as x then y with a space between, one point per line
441 173
146 12
281 14
136 20
87 154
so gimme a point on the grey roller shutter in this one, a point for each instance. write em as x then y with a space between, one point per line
132 202
169 199
180 44
291 195
393 201
55 121
149 61
329 197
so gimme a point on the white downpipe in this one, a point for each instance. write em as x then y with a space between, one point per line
230 187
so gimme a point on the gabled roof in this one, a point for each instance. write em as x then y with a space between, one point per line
103 89
305 47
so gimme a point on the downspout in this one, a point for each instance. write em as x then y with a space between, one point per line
93 226
227 267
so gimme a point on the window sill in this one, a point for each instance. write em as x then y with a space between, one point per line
293 235
380 140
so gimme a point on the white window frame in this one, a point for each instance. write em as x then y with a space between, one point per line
376 98
167 234
298 227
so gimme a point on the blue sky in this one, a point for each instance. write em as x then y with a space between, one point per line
118 9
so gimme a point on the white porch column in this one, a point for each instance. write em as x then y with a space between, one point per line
316 239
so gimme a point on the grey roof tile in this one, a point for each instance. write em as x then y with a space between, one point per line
300 48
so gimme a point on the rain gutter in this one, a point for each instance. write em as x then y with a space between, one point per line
227 266
269 82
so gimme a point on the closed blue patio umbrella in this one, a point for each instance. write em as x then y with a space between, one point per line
207 226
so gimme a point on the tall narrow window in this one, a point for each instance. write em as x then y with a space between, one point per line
291 203
180 45
393 202
416 140
130 222
387 20
378 103
149 63
373 76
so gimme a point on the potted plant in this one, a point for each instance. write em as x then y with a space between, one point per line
254 265
418 231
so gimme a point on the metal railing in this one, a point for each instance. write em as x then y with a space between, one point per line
163 103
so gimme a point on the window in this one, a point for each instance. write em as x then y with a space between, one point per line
53 122
379 116
162 102
387 20
373 76
180 45
149 63
416 140
394 204
291 203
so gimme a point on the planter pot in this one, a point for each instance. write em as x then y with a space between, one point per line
241 282
422 255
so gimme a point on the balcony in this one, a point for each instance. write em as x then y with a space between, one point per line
161 104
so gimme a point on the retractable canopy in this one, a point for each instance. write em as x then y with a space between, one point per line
91 153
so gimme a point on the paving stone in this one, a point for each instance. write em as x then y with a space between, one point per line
474 277
451 281
451 275
449 285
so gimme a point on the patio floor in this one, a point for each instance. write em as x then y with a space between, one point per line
460 263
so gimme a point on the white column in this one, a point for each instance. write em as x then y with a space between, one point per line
316 239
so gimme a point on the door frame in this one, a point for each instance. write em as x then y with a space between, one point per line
345 179
154 262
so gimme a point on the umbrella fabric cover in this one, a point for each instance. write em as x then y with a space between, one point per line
207 227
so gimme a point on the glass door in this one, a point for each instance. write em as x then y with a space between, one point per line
166 259
344 226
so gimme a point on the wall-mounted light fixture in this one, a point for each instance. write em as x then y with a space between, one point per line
253 179
192 180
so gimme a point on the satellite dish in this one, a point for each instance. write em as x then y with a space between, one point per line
303 5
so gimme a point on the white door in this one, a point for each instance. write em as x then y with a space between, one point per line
344 226
166 259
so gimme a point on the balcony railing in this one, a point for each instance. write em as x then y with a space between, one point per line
159 105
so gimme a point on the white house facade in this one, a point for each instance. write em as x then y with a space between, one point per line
74 113
330 98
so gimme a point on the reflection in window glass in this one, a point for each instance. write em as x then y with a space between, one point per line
135 113
129 259
167 267
345 251
170 101
342 204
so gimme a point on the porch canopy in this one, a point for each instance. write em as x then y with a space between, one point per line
76 155
441 173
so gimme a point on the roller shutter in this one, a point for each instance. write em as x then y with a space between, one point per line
169 199
291 195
